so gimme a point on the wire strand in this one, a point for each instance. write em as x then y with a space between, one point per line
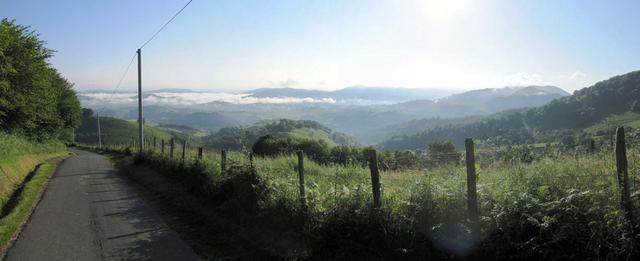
126 71
165 25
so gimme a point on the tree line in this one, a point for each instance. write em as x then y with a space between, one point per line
36 101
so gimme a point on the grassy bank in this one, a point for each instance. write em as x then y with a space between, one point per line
19 157
560 206
17 209
20 182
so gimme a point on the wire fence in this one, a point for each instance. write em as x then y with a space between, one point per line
446 179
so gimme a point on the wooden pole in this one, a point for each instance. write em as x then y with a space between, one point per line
375 178
472 198
154 143
140 117
223 161
200 153
171 147
162 147
303 197
184 149
623 173
251 159
99 132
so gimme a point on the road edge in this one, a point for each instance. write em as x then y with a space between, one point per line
56 161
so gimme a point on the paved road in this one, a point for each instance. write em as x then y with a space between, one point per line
88 213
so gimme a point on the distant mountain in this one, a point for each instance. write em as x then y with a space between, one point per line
379 94
373 113
491 94
483 101
172 90
619 95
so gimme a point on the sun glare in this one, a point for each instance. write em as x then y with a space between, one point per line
445 11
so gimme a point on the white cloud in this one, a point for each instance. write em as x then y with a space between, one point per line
523 78
578 76
196 98
287 83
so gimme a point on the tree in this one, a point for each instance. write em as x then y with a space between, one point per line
35 100
441 147
270 146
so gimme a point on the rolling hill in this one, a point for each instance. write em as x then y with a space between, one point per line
590 106
364 93
116 131
370 122
239 138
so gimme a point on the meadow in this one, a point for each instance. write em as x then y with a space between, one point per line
562 205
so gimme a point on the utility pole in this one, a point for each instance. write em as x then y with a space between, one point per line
99 132
140 118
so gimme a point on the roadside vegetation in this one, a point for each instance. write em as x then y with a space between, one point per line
25 166
534 204
18 207
38 110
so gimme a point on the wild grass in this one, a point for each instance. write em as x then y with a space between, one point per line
562 206
20 156
11 145
12 218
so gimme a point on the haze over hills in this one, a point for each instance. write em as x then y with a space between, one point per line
615 98
368 113
383 95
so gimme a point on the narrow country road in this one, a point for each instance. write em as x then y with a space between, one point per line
89 213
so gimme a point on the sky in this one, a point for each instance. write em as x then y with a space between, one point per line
240 45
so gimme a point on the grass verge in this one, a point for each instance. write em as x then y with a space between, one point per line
215 227
20 205
559 207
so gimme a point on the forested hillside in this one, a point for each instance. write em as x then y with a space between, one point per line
238 138
116 131
35 100
551 122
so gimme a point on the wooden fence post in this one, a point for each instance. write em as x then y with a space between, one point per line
162 147
200 153
172 145
154 143
303 196
592 145
251 159
472 198
184 149
375 178
623 173
223 161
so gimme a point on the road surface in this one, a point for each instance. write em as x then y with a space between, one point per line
89 213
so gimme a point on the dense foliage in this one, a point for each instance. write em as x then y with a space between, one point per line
35 100
241 138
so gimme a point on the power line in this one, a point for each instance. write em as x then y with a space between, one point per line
174 16
120 81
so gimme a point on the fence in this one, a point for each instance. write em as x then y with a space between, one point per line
472 186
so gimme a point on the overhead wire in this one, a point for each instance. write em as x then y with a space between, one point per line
126 71
165 25
133 58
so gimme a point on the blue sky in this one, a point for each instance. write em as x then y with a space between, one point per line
239 45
